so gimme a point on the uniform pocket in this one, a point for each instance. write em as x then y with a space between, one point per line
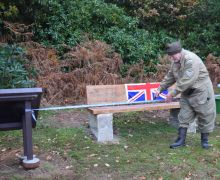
203 98
199 97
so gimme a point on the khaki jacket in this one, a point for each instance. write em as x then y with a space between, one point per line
189 73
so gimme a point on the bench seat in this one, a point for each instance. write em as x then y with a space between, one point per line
136 107
101 118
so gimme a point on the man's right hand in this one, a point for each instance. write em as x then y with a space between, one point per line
157 93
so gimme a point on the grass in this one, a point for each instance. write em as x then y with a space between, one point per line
143 150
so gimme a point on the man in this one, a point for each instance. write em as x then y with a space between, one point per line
197 95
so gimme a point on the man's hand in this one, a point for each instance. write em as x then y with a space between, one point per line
157 93
169 98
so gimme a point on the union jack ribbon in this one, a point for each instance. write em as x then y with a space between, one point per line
143 92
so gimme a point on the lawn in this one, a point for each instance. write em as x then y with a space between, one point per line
142 152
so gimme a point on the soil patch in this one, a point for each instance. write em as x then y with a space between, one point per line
52 166
70 118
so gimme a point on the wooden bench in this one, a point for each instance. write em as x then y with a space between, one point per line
101 118
16 113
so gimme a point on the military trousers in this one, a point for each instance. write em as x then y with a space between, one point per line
200 104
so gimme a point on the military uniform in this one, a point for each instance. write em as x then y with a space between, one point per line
197 95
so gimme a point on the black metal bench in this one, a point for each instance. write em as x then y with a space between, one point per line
16 113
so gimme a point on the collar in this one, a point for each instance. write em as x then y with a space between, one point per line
181 61
182 56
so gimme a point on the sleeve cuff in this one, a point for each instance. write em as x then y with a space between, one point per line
173 92
159 89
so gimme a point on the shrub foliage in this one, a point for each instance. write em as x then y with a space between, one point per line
195 22
12 71
70 22
137 30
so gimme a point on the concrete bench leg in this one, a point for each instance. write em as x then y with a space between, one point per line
192 127
102 127
174 121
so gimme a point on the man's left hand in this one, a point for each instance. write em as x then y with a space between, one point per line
169 98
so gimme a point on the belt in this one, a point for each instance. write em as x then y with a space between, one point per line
188 92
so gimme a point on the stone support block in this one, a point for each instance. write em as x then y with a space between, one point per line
102 127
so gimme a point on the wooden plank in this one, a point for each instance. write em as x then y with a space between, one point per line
130 108
105 94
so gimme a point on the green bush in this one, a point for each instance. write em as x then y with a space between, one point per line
8 10
195 22
204 25
23 10
12 71
139 35
136 45
70 22
159 14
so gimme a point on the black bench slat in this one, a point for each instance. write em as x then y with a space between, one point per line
10 126
18 97
20 91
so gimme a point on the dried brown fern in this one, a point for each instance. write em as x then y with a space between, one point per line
90 63
213 65
43 60
16 32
